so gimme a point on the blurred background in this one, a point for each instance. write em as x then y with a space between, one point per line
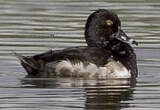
28 26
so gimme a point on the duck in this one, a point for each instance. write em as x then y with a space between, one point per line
108 54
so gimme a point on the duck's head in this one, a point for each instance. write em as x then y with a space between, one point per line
103 26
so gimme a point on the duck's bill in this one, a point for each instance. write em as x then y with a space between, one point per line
121 35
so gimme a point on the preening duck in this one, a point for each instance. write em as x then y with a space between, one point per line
109 53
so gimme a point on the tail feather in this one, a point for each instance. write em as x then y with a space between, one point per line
25 60
31 66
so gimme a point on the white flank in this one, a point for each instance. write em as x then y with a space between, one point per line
113 69
117 70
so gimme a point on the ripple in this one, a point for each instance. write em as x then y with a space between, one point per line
26 27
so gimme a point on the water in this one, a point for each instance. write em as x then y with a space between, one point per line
27 26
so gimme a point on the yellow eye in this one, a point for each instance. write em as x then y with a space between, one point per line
109 22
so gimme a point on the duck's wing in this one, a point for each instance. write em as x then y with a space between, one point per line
37 63
91 54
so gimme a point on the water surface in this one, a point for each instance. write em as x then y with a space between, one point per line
26 27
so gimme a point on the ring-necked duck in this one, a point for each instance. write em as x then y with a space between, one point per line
108 53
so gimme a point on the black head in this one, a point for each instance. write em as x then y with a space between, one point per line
103 26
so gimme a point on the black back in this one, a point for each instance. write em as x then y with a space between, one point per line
94 55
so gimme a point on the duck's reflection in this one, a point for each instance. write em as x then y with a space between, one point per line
108 94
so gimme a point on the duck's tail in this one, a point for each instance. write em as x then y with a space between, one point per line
30 65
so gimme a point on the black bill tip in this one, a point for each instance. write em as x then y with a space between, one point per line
134 42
